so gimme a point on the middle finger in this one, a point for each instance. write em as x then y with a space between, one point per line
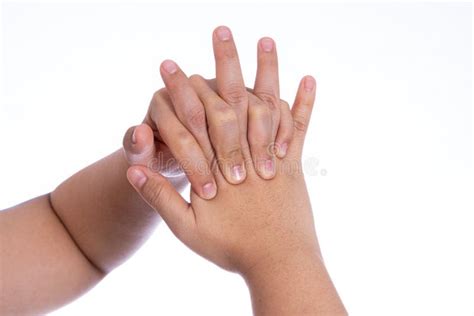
230 83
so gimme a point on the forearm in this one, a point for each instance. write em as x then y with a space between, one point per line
294 285
103 214
41 267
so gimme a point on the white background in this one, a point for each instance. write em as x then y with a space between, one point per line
392 130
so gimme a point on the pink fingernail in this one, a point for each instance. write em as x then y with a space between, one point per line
238 173
209 190
134 137
269 166
309 84
169 66
283 149
223 33
266 44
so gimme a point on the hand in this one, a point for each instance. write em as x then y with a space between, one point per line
261 229
246 225
269 122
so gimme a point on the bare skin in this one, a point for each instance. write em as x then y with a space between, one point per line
57 246
262 229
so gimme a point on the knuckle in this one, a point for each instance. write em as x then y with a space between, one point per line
224 133
154 193
221 108
300 124
259 142
185 139
225 52
158 95
226 120
164 129
235 94
233 153
196 78
230 53
196 119
207 97
270 100
261 112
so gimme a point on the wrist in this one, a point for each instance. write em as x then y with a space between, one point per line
294 284
275 266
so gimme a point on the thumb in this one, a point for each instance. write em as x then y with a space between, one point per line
302 109
160 194
139 145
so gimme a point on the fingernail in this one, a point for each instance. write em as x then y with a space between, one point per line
266 168
134 137
137 177
269 166
238 173
283 149
170 66
223 33
309 84
266 44
209 190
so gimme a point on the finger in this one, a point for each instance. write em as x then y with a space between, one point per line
187 105
266 81
229 80
285 130
139 145
223 131
140 148
267 86
163 197
184 148
260 137
301 110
